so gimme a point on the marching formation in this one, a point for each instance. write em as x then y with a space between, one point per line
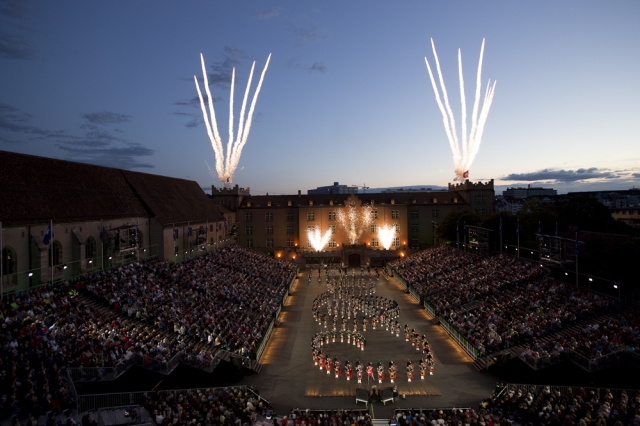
336 311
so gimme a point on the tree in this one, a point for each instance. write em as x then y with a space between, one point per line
453 224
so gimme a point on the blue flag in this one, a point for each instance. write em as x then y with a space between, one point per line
518 227
48 236
501 225
189 232
175 234
102 233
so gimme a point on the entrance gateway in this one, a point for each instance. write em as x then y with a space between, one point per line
354 260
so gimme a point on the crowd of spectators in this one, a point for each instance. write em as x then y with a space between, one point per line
226 298
211 407
327 418
37 338
544 405
514 301
441 416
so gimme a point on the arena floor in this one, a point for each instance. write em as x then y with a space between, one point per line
289 379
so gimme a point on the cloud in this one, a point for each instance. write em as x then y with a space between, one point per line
106 117
194 123
16 121
193 102
13 14
220 74
304 35
563 175
14 47
318 67
267 14
122 157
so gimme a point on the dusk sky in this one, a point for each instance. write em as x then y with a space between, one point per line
347 95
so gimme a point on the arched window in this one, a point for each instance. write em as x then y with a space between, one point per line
90 248
56 247
9 261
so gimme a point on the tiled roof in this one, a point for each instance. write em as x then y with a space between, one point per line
37 190
172 200
420 198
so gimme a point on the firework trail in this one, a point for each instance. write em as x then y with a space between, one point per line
465 152
225 167
317 239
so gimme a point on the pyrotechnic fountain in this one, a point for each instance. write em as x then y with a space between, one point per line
470 144
317 239
387 233
226 166
354 221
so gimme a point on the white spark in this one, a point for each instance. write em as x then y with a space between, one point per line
387 233
317 239
226 166
470 144
354 221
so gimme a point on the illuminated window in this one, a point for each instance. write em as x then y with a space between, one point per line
395 214
311 216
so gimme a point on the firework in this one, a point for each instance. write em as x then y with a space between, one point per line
226 166
462 158
387 233
354 221
317 239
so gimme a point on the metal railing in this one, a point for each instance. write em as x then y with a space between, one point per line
460 339
128 399
595 364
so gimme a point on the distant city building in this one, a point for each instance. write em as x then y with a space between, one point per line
622 199
509 204
408 190
529 192
336 188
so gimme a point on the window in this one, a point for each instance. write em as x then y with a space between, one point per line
396 242
435 213
478 199
211 240
332 215
374 242
374 229
248 217
482 211
9 262
290 229
248 230
210 228
397 226
311 216
332 228
332 244
269 243
395 214
415 227
268 216
414 214
56 247
289 217
90 248
311 228
289 242
374 214
415 242
268 230
249 243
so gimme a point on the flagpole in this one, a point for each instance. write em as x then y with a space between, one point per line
102 244
51 248
500 235
518 232
1 263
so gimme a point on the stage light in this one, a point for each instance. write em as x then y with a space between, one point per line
30 274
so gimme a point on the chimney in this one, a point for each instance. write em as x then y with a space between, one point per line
299 193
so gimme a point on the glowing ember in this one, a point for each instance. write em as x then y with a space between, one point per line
354 221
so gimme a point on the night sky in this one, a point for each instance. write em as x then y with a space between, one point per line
346 98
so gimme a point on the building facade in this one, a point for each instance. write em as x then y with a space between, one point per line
278 224
61 219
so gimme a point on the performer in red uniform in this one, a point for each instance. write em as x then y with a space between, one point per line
336 368
348 370
359 371
393 371
380 372
369 372
329 364
409 371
